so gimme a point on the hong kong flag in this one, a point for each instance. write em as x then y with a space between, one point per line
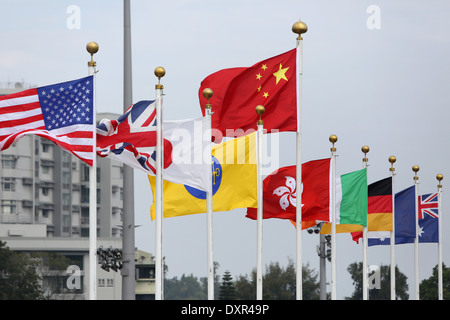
237 91
280 190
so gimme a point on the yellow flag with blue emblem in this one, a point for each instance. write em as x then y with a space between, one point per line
233 177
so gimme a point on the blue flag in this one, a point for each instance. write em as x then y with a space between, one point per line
405 220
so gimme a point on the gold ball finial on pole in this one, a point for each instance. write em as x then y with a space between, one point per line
159 73
365 149
392 160
333 138
415 168
260 110
439 177
207 93
92 48
299 28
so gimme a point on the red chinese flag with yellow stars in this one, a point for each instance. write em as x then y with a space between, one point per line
237 91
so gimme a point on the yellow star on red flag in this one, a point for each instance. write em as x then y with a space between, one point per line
281 73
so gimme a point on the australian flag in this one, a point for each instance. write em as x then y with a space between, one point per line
131 138
428 218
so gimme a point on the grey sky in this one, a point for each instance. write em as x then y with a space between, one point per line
386 88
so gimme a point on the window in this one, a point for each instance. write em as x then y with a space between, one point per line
146 272
9 206
66 180
66 201
84 173
66 224
8 161
110 282
66 159
45 191
84 194
8 184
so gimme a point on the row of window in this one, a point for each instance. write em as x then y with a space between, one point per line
107 283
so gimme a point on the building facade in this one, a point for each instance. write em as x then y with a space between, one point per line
145 275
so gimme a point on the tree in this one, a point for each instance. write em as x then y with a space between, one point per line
245 287
18 277
384 293
227 291
429 287
187 288
279 283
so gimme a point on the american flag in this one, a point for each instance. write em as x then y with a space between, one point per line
61 112
428 204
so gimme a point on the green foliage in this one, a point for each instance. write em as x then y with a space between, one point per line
384 293
186 288
429 287
18 277
227 290
279 283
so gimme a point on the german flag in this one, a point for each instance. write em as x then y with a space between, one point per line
379 209
380 205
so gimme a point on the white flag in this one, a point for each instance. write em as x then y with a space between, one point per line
189 139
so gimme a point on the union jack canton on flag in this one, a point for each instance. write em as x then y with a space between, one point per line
131 138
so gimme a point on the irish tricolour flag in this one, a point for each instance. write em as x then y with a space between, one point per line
351 200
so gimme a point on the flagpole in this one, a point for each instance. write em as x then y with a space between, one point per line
260 124
159 73
416 168
128 225
365 268
299 28
92 47
333 138
207 93
439 177
392 160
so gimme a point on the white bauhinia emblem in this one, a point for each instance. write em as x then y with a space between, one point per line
287 193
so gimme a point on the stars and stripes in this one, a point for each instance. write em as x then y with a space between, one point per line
62 113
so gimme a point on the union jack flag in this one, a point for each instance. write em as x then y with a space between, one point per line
131 138
428 204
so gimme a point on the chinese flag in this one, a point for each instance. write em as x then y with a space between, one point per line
279 193
237 91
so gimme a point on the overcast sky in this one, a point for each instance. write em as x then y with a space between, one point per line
375 73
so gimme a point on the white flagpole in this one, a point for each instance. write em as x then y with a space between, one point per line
207 93
92 47
392 160
159 72
365 267
333 139
415 168
299 28
439 177
259 289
